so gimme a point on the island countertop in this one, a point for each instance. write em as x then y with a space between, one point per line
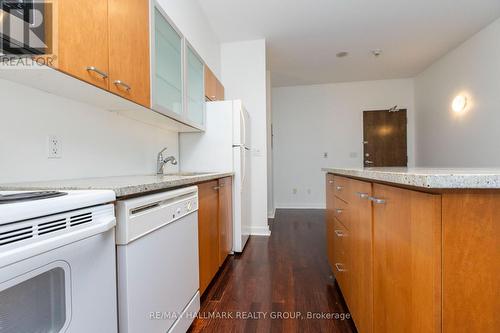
122 185
431 178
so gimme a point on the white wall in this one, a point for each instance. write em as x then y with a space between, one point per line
191 20
243 71
471 139
94 142
311 120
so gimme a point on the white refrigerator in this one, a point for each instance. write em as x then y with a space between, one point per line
225 146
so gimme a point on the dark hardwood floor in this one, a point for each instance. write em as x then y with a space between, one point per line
276 282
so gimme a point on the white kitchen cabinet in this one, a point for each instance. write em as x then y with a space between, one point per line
177 73
167 66
195 87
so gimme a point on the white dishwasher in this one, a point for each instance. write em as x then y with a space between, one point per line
157 259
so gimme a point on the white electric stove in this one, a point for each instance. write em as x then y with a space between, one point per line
57 262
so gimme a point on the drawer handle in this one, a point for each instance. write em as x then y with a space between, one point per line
363 195
339 268
330 182
339 211
339 233
216 188
377 200
98 71
123 84
339 188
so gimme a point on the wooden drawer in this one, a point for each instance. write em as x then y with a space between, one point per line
341 188
341 255
341 212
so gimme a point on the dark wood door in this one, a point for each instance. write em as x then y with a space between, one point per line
384 139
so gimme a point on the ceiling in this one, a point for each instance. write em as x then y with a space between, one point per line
303 36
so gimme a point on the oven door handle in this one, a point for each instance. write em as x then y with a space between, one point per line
16 254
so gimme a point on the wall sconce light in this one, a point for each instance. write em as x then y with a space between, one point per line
459 103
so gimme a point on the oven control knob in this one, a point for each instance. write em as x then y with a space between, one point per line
178 211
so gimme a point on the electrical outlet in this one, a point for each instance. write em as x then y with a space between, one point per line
54 147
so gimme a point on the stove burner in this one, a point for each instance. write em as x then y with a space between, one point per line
29 196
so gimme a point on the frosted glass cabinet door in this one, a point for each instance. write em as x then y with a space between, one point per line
195 88
167 93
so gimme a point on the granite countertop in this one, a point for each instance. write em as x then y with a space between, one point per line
434 178
122 185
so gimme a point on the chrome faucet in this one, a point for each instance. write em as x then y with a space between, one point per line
161 161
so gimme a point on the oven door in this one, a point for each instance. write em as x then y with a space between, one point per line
37 301
71 288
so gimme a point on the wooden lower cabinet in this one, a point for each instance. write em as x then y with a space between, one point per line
387 261
407 261
361 249
471 262
416 261
208 232
215 227
330 239
225 218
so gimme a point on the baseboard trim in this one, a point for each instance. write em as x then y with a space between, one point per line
260 231
300 207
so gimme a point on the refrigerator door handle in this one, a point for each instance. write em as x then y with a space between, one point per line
244 169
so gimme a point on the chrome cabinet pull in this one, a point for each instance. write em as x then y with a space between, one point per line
377 200
339 188
330 182
216 188
339 211
363 195
123 84
369 162
339 233
338 267
98 71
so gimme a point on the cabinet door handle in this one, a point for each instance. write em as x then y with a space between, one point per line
103 74
123 84
339 233
368 162
216 188
339 211
339 188
377 200
330 182
363 195
339 268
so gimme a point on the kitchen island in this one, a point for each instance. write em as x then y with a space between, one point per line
416 250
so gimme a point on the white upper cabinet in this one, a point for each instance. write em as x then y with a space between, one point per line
177 73
195 87
167 65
